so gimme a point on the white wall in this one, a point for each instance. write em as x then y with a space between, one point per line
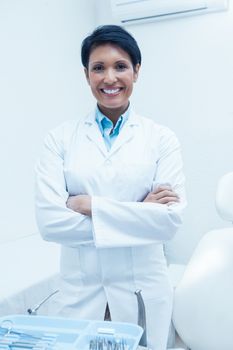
41 84
186 83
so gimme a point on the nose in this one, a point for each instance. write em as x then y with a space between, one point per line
110 76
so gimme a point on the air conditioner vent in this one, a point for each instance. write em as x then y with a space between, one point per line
138 11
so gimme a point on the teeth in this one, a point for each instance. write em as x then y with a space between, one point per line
112 91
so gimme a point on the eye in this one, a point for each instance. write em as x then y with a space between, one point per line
121 66
98 68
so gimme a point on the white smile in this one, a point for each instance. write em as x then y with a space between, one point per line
111 91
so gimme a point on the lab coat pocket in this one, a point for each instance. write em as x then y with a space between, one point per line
70 265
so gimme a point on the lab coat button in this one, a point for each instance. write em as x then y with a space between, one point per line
108 162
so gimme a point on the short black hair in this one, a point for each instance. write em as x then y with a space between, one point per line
110 34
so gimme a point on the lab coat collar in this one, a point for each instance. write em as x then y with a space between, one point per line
132 120
93 133
126 134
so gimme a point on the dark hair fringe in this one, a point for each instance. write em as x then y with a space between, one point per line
112 34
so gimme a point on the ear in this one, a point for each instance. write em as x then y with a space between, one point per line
87 75
136 72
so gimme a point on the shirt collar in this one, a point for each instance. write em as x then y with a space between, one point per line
105 123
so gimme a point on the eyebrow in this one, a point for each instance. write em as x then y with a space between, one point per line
118 61
96 62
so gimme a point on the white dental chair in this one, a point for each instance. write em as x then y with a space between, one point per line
203 301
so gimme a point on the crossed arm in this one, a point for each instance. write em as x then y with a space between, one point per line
84 219
164 194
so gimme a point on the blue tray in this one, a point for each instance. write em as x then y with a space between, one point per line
57 333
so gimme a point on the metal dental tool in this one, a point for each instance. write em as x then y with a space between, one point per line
141 317
33 311
7 327
16 339
102 343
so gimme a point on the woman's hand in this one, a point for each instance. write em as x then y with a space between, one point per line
163 194
80 203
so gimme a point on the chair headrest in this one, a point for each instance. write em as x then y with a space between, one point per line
224 197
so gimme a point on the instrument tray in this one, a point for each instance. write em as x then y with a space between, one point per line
57 333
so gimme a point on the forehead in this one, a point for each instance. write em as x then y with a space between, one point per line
105 52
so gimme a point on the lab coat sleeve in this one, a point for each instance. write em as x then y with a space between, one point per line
128 224
56 222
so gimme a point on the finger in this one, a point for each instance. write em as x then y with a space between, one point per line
151 198
162 199
166 200
165 193
69 200
162 188
69 203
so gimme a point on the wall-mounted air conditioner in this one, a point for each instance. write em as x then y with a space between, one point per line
138 11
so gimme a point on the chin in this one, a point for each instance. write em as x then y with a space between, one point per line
113 105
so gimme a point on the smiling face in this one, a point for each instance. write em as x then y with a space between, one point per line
111 75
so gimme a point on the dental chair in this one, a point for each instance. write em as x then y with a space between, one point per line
203 300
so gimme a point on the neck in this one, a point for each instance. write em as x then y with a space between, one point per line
113 114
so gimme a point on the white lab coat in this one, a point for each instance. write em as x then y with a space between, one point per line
120 249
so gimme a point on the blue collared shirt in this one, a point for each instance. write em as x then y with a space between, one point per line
107 130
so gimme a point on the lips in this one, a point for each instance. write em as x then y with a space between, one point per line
112 91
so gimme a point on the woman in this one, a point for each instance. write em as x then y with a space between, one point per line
110 190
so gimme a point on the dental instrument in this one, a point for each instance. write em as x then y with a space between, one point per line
101 343
33 311
141 317
12 339
7 326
